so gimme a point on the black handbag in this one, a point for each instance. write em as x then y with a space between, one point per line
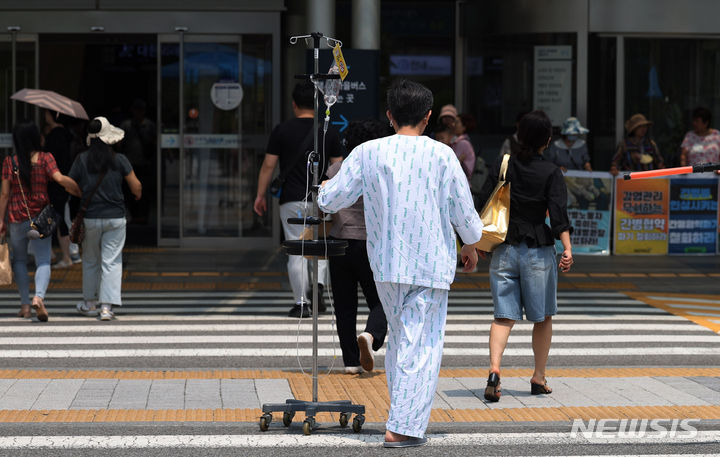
277 183
42 225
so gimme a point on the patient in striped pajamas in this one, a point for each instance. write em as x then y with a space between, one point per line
416 197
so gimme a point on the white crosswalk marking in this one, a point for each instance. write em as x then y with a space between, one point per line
253 324
334 441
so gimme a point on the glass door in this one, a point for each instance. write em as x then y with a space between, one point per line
212 137
18 70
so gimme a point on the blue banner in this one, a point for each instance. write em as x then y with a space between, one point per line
693 215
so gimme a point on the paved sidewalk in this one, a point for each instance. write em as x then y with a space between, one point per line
237 395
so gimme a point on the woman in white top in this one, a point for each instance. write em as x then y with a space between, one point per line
702 143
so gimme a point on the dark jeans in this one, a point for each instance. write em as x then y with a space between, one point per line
345 273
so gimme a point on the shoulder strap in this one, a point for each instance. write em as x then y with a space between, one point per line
300 154
504 167
16 172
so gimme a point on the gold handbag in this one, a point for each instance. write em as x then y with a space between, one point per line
495 215
6 273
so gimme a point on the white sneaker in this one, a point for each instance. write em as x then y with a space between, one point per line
106 313
62 264
367 358
87 308
354 370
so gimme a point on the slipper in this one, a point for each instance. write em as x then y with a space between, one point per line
410 442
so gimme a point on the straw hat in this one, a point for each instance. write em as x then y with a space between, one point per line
572 126
108 134
635 121
448 110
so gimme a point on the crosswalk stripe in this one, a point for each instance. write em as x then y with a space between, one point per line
683 299
341 440
245 323
286 338
362 313
284 310
327 352
338 441
305 326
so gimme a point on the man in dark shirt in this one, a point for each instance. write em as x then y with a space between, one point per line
287 142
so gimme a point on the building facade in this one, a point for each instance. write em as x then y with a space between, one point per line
209 79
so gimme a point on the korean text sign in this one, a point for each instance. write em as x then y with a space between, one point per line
693 215
641 216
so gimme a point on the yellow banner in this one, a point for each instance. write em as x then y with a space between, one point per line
641 216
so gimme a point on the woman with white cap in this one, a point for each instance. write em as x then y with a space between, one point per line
636 152
100 172
570 152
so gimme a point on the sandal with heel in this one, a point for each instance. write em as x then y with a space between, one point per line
492 390
540 389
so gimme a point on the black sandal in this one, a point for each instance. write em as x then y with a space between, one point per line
493 391
540 389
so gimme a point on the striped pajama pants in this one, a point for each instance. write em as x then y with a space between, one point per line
416 329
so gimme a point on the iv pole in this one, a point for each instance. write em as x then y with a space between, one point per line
314 248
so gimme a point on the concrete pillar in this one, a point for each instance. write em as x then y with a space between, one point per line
294 23
366 24
321 17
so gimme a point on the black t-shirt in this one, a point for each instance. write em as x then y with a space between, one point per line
57 143
285 142
109 201
537 187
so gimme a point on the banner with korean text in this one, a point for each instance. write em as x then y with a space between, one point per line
590 197
641 216
693 214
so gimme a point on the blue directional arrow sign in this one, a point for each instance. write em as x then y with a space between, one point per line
344 123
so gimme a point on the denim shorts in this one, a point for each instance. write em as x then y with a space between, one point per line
524 278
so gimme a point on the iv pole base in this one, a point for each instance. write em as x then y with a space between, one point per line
311 408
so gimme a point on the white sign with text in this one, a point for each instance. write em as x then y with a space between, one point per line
552 89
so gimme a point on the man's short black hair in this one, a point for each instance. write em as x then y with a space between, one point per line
408 102
703 114
304 95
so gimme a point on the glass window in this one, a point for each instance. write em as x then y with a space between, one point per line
256 127
601 100
666 90
25 78
500 83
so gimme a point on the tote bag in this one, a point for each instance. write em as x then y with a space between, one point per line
495 215
6 273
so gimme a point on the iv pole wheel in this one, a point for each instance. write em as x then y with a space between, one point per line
358 422
265 420
308 425
344 418
287 418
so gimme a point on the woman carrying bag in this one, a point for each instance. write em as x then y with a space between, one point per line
100 173
523 275
24 195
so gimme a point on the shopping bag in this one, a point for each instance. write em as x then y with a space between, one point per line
5 266
495 215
